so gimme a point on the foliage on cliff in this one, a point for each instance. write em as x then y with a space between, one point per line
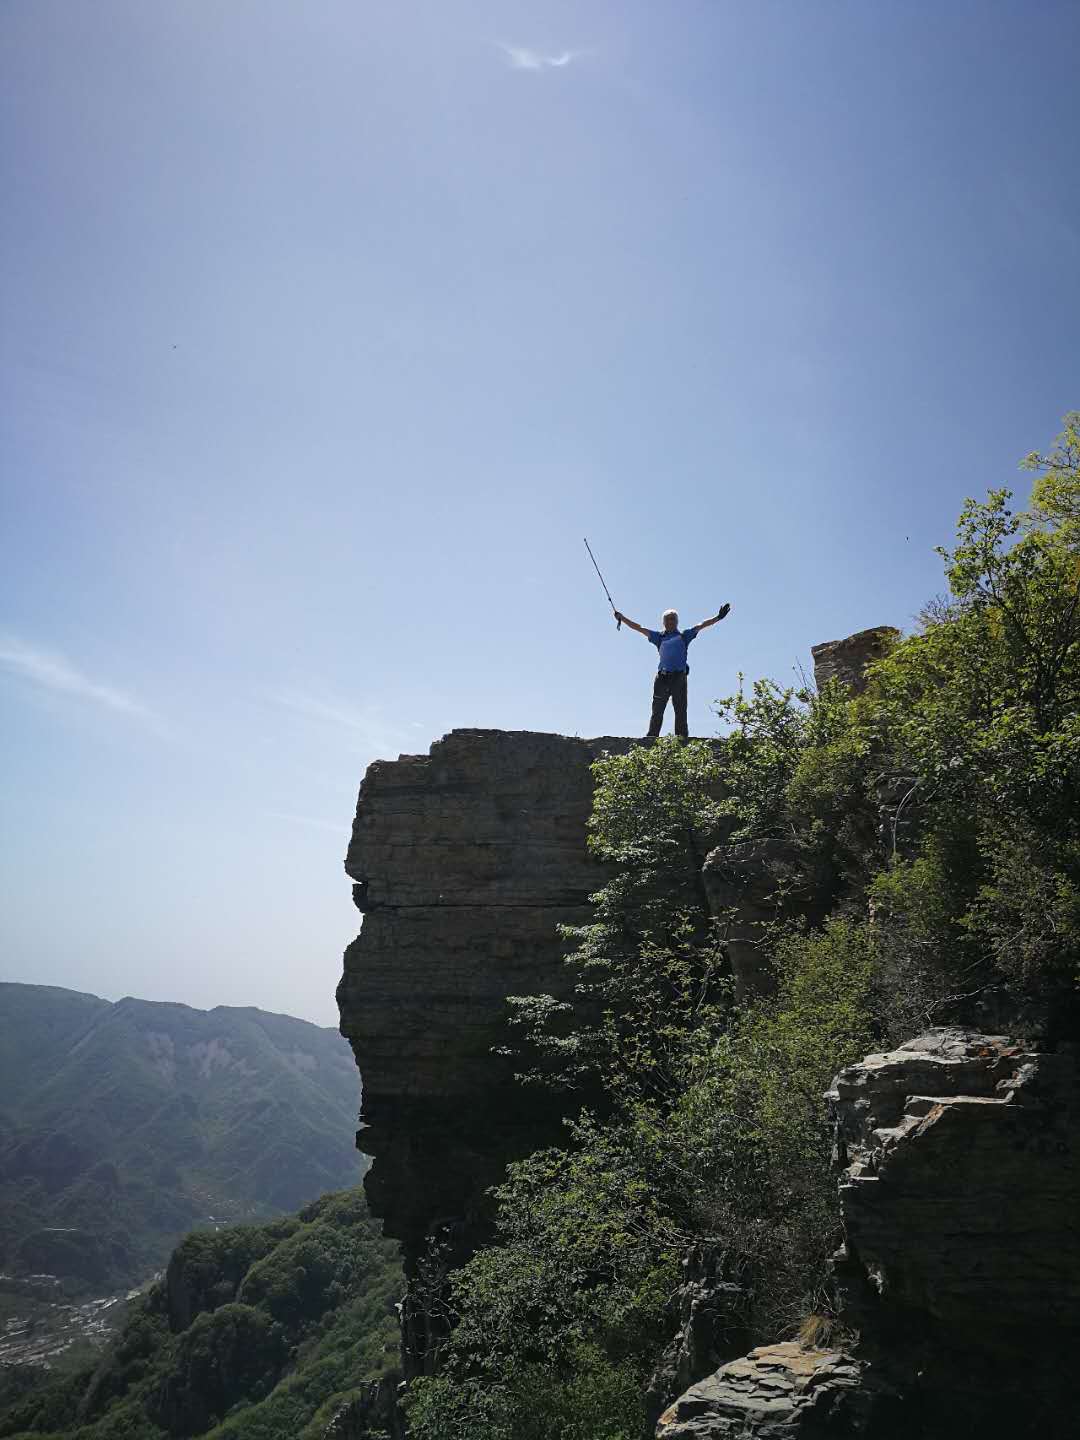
256 1333
937 818
649 966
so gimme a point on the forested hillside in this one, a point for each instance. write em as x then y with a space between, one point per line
124 1125
258 1332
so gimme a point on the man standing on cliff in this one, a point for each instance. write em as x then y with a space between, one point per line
671 676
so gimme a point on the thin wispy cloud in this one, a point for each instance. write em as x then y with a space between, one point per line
365 724
47 670
521 57
310 822
331 712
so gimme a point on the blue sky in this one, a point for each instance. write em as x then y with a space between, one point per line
328 331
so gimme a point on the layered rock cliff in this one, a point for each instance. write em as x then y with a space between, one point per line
465 862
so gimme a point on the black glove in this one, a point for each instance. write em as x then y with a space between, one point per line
722 612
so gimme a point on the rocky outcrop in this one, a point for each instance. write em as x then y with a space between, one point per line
958 1283
373 1413
708 1320
465 863
961 1200
847 660
780 1391
959 1276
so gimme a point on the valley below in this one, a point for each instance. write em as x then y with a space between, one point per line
124 1126
39 1326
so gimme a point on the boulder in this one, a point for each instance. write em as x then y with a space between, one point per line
778 1392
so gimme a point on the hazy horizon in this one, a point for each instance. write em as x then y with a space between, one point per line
142 999
328 333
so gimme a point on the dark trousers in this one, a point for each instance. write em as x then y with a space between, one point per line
673 685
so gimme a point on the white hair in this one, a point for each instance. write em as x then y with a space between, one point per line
670 615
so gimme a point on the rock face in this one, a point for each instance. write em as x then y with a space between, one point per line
961 1207
372 1412
465 861
707 1315
846 660
960 1270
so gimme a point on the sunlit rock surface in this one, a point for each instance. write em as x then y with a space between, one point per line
847 660
778 1391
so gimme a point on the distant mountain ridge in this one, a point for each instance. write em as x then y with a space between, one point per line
123 1125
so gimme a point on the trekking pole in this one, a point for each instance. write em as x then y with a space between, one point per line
607 592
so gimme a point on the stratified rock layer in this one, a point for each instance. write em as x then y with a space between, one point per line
847 660
777 1392
466 861
961 1208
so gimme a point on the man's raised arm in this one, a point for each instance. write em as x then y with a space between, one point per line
720 615
625 620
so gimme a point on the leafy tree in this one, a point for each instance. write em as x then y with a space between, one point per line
649 966
1055 495
982 712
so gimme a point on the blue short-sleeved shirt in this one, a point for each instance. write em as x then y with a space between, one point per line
672 646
